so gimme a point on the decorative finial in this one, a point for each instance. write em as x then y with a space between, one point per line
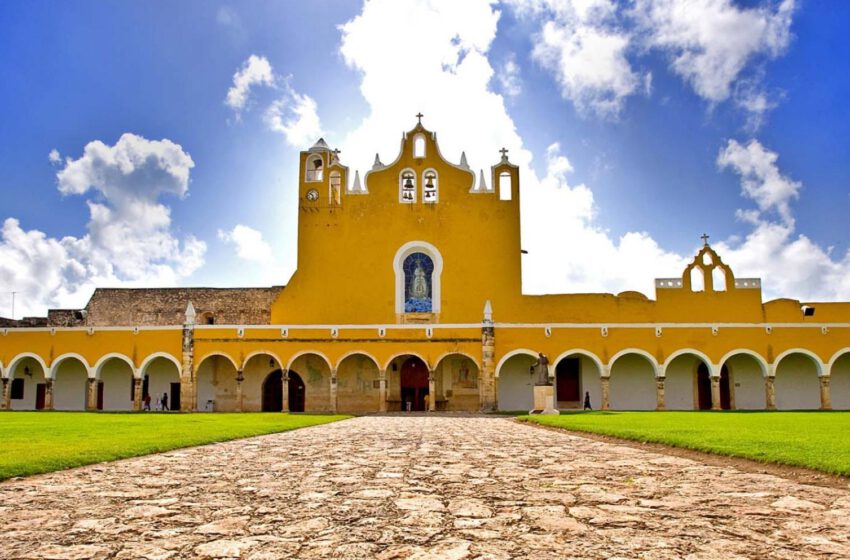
488 312
463 162
377 164
356 187
419 116
504 152
190 314
482 182
704 238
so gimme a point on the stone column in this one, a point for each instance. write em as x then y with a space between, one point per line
137 394
605 387
4 402
432 391
715 392
239 379
770 392
825 398
48 394
333 391
284 389
382 390
487 376
659 393
91 395
187 375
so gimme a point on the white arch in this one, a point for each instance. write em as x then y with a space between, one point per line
216 353
581 352
752 353
685 351
638 351
814 357
260 353
2 371
68 355
455 353
420 356
835 357
146 362
513 353
95 371
403 252
356 353
306 352
13 364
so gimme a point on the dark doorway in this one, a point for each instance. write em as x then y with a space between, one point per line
297 392
174 399
704 388
414 384
567 380
40 393
273 392
100 395
725 391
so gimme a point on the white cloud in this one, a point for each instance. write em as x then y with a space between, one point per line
252 248
295 116
509 78
54 156
256 70
129 241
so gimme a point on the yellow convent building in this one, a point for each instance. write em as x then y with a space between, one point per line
408 295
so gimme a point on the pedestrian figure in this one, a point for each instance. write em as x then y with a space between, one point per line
147 402
587 401
164 401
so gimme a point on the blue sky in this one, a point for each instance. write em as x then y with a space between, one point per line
638 127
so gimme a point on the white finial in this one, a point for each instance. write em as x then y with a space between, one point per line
377 164
488 312
482 182
190 314
356 187
463 162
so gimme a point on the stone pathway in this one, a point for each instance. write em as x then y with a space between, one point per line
420 487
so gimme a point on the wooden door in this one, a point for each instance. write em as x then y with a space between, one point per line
40 394
567 380
414 384
297 392
100 395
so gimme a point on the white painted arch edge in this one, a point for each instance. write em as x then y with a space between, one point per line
819 365
13 363
511 354
69 356
760 360
148 360
581 352
358 353
411 354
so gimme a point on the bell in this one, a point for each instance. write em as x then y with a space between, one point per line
408 183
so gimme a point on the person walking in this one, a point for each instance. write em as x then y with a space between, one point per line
164 401
147 401
587 401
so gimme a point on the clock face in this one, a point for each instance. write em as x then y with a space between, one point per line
312 195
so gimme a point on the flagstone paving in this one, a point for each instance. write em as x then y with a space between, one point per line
421 487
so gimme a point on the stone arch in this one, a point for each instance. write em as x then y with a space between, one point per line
681 383
13 363
403 355
514 382
303 353
98 365
70 383
747 370
357 386
215 377
358 352
256 353
115 376
632 380
456 376
578 372
436 258
28 387
314 368
797 382
839 379
66 356
224 355
161 377
259 393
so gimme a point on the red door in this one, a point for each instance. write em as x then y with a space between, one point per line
40 392
100 395
414 384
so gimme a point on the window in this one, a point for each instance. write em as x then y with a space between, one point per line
429 186
697 279
314 169
418 271
419 146
718 279
407 186
335 187
17 389
505 186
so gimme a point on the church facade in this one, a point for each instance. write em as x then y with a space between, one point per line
408 296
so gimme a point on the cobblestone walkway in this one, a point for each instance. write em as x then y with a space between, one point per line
418 487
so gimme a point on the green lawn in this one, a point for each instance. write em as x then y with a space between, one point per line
817 440
37 442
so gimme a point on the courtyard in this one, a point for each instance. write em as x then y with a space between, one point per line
419 486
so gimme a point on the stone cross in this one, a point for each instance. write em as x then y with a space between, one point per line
704 238
419 116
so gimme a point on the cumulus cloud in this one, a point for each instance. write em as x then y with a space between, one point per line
255 71
252 248
509 78
54 157
129 241
295 116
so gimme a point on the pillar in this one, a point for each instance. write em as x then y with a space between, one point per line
91 395
187 375
382 390
4 402
825 398
432 391
770 392
48 394
284 389
137 394
715 392
333 391
605 384
487 381
239 379
660 403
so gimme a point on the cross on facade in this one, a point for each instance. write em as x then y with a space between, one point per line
419 116
704 238
504 153
336 152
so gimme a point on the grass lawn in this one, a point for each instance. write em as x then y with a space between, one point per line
817 440
37 442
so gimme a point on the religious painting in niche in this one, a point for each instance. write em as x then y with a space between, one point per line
418 269
464 374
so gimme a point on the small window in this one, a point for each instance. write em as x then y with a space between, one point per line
335 187
407 187
17 390
429 186
697 279
718 279
505 186
707 260
419 146
315 169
